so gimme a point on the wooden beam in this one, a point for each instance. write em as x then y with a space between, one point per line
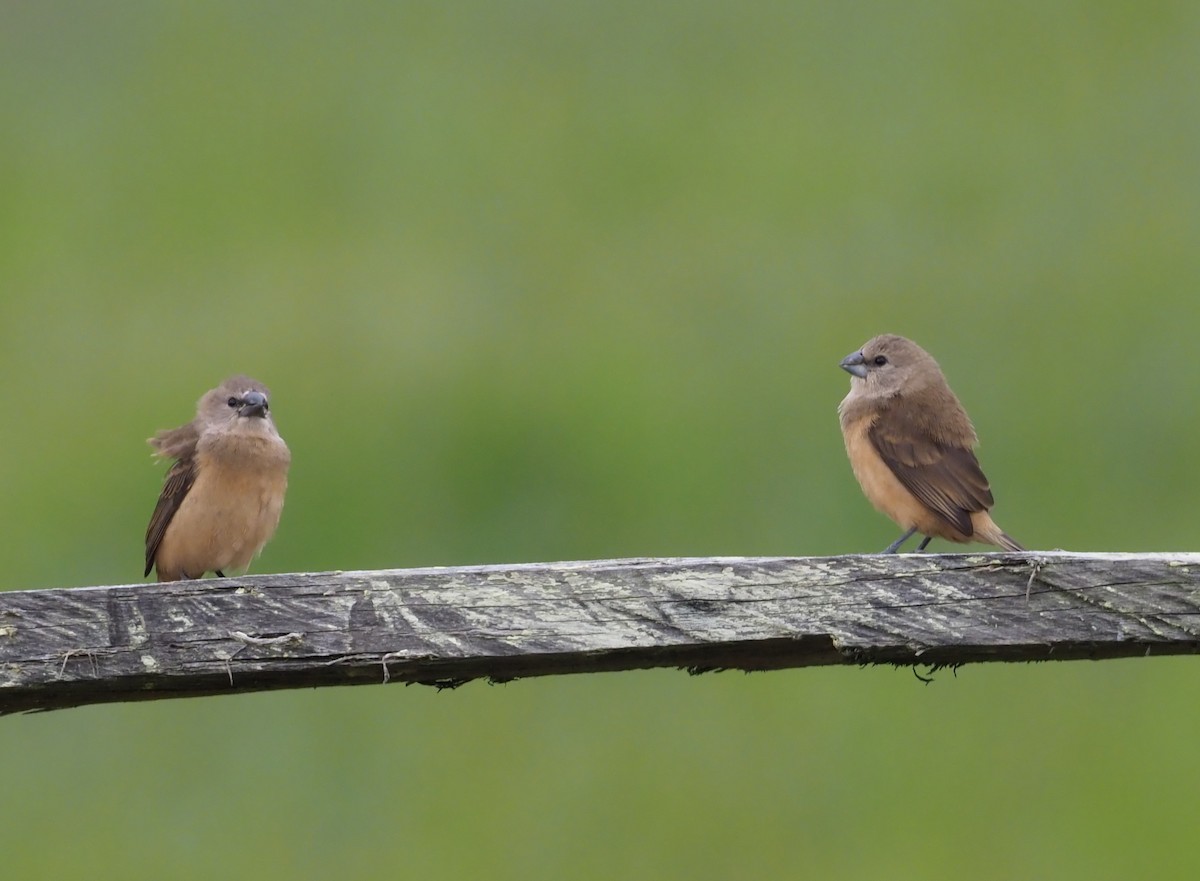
67 647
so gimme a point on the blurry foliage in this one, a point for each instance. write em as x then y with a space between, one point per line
536 281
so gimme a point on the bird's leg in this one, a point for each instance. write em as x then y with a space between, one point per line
923 544
222 574
895 546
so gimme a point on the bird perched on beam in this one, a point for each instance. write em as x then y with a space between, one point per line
223 495
911 446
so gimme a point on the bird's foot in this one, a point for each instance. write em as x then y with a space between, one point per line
895 546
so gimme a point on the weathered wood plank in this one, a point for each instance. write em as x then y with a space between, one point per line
68 647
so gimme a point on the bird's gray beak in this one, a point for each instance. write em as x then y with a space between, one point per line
855 364
255 405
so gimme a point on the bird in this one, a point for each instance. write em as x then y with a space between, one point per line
911 446
223 494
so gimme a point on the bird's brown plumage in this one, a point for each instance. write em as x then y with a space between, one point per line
221 500
911 444
179 480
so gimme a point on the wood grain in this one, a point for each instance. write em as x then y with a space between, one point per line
73 646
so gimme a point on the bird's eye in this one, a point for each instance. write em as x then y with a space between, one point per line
232 402
880 360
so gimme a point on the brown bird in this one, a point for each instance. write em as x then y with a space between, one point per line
223 495
911 446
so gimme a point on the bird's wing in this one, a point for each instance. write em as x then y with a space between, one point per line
179 480
946 478
176 443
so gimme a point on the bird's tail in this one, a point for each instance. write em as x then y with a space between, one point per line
987 530
1007 542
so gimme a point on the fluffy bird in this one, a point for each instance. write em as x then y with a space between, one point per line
223 494
911 446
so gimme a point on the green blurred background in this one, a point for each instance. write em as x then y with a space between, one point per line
541 281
